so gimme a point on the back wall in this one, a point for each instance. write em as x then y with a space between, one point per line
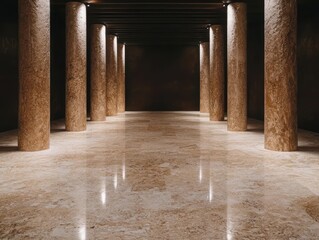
162 78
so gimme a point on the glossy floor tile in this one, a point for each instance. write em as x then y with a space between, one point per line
161 175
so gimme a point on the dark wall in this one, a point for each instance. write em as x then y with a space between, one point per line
162 78
308 66
57 62
8 65
9 78
255 66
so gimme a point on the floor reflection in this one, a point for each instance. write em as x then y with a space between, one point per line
159 176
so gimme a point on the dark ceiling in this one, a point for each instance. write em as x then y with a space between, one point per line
159 21
163 21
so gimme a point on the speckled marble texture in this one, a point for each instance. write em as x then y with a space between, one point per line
217 75
121 78
163 175
204 77
281 75
111 75
237 66
75 112
98 74
34 75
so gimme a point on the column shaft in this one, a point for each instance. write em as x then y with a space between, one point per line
98 74
237 67
75 114
121 78
111 75
281 75
204 77
216 86
34 75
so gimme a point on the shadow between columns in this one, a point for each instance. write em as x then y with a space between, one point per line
310 149
8 148
256 126
255 129
57 130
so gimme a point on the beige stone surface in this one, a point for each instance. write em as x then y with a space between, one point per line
98 72
217 75
121 78
111 75
169 175
237 66
34 75
204 77
75 112
281 75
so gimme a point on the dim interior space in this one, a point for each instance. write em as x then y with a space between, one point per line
159 119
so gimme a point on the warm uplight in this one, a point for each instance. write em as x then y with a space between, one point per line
123 54
115 47
201 54
82 15
231 13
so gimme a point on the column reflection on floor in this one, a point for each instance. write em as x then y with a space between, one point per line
169 174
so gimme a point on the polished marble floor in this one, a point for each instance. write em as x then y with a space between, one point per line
164 175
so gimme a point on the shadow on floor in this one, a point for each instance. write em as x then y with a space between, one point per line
57 130
8 148
255 129
310 149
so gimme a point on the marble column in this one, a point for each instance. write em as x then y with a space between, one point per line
281 75
237 67
75 114
121 78
111 75
204 77
98 74
34 75
217 82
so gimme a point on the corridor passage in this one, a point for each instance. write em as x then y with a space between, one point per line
159 175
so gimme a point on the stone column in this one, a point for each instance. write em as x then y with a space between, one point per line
98 74
75 114
121 78
237 67
217 82
281 75
204 77
34 75
111 75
